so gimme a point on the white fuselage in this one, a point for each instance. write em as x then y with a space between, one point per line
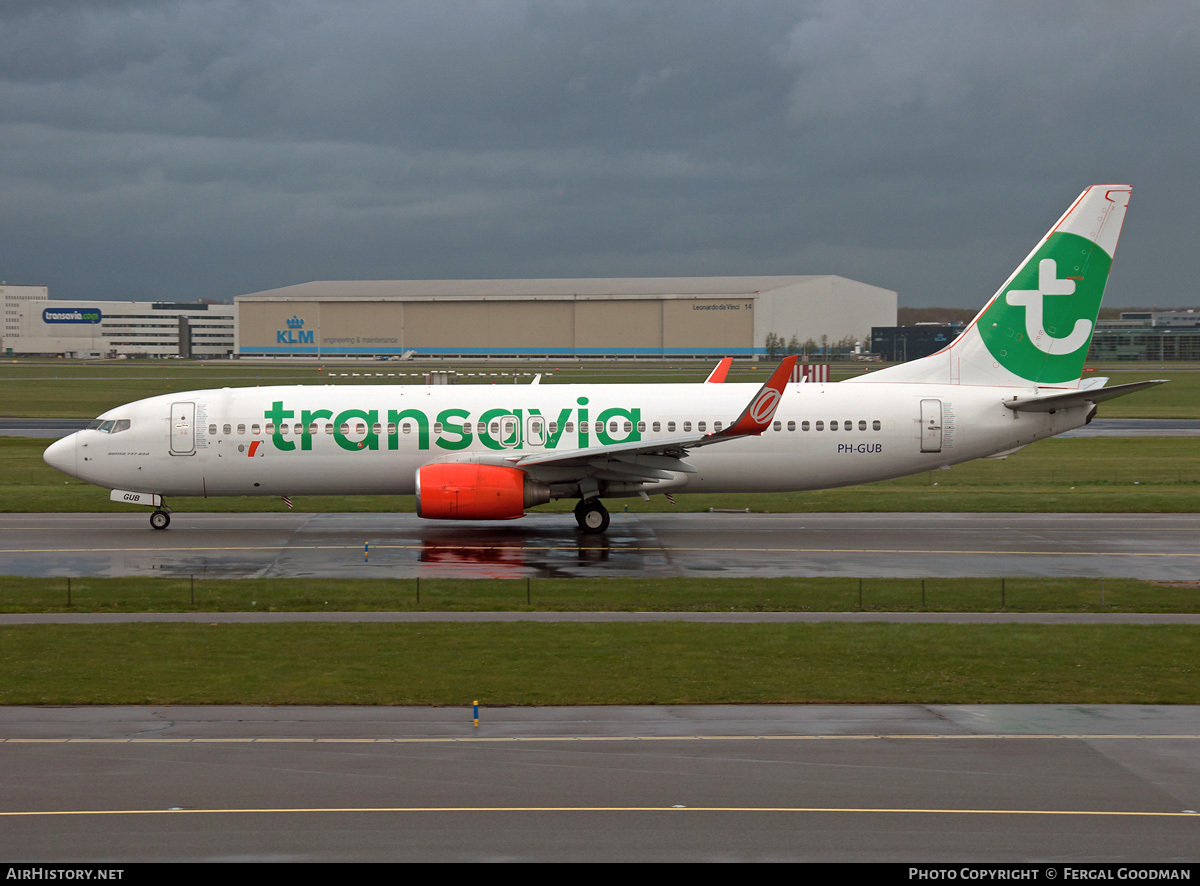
372 439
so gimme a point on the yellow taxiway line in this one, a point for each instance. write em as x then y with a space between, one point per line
791 810
512 739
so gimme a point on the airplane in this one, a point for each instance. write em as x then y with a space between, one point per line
1014 376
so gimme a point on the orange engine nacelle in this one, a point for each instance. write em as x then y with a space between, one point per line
457 491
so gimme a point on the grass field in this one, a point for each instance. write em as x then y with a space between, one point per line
200 594
1083 475
82 389
567 664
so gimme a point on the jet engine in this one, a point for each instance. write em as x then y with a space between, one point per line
460 491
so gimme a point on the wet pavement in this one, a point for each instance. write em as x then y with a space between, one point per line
1152 546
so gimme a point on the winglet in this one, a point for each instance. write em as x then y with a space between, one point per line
718 374
756 417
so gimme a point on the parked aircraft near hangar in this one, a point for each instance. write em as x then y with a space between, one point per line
490 453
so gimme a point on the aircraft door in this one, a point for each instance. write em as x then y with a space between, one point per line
510 431
535 430
183 429
931 425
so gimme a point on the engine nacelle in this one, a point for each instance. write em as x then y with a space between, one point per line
460 491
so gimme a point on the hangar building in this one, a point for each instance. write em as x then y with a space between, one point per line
652 316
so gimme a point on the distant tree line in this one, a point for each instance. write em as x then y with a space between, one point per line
944 316
777 346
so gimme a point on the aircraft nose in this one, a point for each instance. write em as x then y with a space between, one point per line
61 454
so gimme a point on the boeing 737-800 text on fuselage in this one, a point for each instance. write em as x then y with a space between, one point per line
489 453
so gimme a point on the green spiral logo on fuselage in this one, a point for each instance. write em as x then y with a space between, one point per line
1039 328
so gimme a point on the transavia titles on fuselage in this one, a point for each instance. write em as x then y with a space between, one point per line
490 453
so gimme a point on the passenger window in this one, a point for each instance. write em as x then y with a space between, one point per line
241 430
671 427
876 426
820 426
716 426
376 428
406 428
848 425
482 429
329 427
600 426
862 425
791 426
570 427
360 428
700 426
437 427
226 430
641 427
345 428
687 426
212 430
553 428
804 426
657 426
270 427
612 427
778 425
255 429
495 428
833 426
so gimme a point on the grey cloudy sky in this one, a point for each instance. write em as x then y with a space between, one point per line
181 149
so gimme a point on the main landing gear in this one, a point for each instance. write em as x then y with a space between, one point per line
591 516
160 519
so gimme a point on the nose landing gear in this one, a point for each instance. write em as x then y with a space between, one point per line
160 519
591 516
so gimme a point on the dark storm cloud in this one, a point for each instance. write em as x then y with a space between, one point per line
192 149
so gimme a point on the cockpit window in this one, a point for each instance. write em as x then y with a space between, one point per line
106 427
122 424
95 425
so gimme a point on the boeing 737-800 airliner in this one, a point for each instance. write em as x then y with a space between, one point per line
489 453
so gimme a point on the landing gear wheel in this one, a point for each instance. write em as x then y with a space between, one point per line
160 520
591 516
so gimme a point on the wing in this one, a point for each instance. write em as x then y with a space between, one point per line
645 461
663 458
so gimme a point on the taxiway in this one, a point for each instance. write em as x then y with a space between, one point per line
1152 546
720 783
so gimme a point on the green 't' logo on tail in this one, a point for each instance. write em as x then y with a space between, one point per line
1040 326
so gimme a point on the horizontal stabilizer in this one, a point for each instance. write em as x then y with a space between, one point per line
1069 399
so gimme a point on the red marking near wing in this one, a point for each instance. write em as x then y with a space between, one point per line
720 372
757 416
253 447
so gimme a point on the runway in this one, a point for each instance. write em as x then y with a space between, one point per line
1057 784
1152 546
